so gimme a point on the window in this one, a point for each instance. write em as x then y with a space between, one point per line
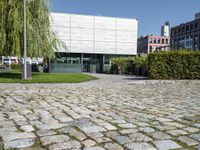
172 32
150 49
187 29
155 41
158 41
163 41
175 32
191 27
179 30
196 38
196 26
167 41
183 30
150 40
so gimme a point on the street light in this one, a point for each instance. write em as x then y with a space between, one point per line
25 63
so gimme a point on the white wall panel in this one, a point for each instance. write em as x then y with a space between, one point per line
82 21
95 34
82 46
105 35
126 24
126 48
82 34
105 47
60 19
105 23
124 36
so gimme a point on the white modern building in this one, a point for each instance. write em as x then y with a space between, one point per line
92 41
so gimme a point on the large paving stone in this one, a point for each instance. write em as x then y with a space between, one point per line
191 129
108 126
17 136
196 137
128 131
42 133
122 139
177 132
66 145
139 146
166 144
147 129
188 141
94 148
92 129
49 140
113 146
88 143
139 137
19 143
78 135
127 125
27 128
160 135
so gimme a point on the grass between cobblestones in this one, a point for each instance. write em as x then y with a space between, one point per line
15 77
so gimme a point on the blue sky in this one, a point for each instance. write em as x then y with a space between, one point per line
151 14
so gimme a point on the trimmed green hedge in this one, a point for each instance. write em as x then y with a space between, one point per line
129 65
174 65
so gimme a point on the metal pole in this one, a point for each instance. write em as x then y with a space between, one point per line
25 63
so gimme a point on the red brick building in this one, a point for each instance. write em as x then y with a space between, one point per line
150 43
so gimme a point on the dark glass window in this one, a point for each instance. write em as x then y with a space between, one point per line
196 26
179 30
163 41
167 41
187 29
191 27
183 30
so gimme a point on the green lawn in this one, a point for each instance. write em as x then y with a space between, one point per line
15 77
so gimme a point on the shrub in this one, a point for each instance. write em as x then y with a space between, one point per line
129 65
15 66
174 65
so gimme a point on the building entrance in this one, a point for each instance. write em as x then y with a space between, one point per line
86 64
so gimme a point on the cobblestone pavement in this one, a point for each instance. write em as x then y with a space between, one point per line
112 113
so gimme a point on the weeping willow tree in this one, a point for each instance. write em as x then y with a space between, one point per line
41 41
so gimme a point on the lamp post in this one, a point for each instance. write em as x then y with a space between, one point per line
25 62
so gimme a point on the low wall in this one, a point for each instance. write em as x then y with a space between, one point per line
65 68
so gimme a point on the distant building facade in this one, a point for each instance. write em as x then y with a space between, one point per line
92 41
186 35
165 29
150 43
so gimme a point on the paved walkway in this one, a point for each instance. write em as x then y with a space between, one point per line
112 113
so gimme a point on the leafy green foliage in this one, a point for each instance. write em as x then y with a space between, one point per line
41 41
15 66
174 65
129 65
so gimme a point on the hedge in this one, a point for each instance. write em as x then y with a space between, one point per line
129 65
174 65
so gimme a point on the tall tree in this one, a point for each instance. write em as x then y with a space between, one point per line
41 41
